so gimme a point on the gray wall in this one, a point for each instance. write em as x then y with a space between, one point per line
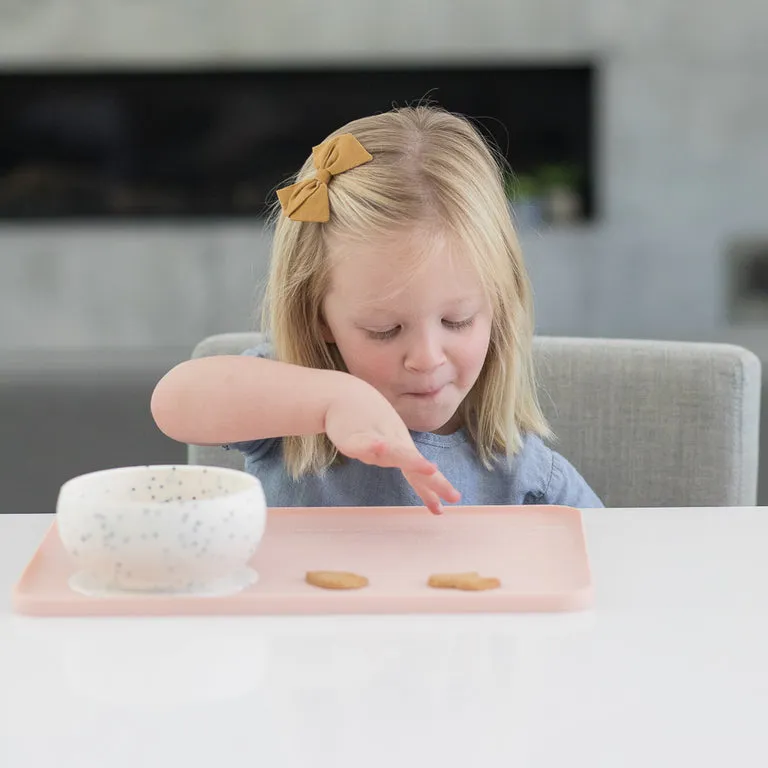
681 144
683 165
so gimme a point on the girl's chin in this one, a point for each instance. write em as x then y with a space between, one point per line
438 426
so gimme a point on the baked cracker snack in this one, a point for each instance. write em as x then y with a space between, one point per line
336 580
471 581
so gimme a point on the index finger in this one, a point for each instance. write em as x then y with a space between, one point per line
438 484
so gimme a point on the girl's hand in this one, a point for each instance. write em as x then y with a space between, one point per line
363 425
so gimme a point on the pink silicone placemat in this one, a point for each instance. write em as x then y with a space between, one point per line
538 553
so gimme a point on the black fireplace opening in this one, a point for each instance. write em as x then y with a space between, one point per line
217 143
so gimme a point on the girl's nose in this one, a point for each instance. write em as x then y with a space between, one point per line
424 353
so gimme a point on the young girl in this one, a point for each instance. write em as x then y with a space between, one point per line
399 369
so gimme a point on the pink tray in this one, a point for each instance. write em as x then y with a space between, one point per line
538 552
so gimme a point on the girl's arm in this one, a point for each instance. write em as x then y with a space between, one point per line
232 398
236 398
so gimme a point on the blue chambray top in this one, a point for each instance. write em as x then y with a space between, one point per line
535 475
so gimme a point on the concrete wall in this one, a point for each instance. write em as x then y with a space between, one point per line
682 148
682 151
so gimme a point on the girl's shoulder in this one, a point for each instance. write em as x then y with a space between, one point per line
551 478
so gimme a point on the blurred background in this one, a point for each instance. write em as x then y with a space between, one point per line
140 141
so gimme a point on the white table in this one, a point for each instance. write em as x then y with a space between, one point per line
670 669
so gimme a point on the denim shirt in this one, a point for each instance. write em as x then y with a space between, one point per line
535 475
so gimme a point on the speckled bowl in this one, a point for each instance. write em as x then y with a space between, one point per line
184 528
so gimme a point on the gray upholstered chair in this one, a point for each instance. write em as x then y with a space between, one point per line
648 423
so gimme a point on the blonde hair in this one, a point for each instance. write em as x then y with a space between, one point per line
429 166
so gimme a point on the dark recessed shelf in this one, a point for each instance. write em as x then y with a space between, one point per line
216 143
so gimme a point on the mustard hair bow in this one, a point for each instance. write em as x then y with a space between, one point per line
308 200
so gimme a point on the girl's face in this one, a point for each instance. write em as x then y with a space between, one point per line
410 317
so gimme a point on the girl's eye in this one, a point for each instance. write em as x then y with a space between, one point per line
383 335
453 325
458 325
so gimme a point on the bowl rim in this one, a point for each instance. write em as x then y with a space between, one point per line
254 482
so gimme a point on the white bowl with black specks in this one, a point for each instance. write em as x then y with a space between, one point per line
188 529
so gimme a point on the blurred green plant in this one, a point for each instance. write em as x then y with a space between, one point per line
540 182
